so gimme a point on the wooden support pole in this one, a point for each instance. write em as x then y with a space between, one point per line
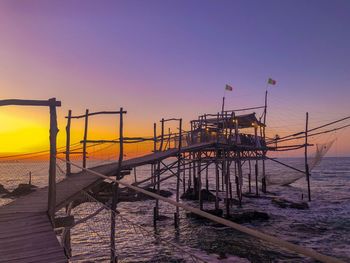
68 165
153 166
66 234
178 175
189 170
162 135
307 172
135 176
199 171
240 178
263 180
256 177
207 178
222 172
237 179
250 176
85 137
115 188
217 174
227 184
195 183
184 176
52 164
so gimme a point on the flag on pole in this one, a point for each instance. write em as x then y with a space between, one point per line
228 87
271 81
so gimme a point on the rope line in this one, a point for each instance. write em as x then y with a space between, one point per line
279 242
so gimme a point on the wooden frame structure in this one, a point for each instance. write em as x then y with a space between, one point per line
52 104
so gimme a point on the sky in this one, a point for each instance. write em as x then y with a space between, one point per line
172 59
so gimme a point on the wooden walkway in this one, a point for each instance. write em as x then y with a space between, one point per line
26 233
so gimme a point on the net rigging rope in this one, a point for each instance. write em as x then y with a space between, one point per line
142 229
274 240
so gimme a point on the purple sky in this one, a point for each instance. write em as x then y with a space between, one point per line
173 58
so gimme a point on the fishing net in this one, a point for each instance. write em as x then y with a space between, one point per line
321 150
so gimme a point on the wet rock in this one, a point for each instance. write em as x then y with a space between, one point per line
162 217
315 229
215 212
128 195
206 195
283 203
103 193
240 218
22 189
3 190
248 217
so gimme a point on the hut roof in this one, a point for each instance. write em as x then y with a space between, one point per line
244 121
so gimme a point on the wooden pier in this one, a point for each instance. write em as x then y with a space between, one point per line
28 224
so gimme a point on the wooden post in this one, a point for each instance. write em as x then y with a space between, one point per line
116 188
178 175
200 181
207 178
217 174
184 176
189 170
135 178
307 172
157 175
85 137
256 177
250 177
52 165
240 177
30 178
162 135
263 180
195 183
68 165
227 183
153 166
222 172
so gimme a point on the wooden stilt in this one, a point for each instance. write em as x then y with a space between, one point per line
240 177
263 180
227 183
115 188
85 137
207 178
217 174
200 183
307 172
68 165
256 177
250 177
52 164
178 175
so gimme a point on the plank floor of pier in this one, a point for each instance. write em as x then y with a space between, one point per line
26 233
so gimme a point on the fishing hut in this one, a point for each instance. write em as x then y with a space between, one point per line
229 139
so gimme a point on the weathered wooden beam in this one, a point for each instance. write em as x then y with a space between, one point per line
18 102
98 113
52 164
307 172
85 136
68 166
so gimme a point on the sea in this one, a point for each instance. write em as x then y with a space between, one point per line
324 227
